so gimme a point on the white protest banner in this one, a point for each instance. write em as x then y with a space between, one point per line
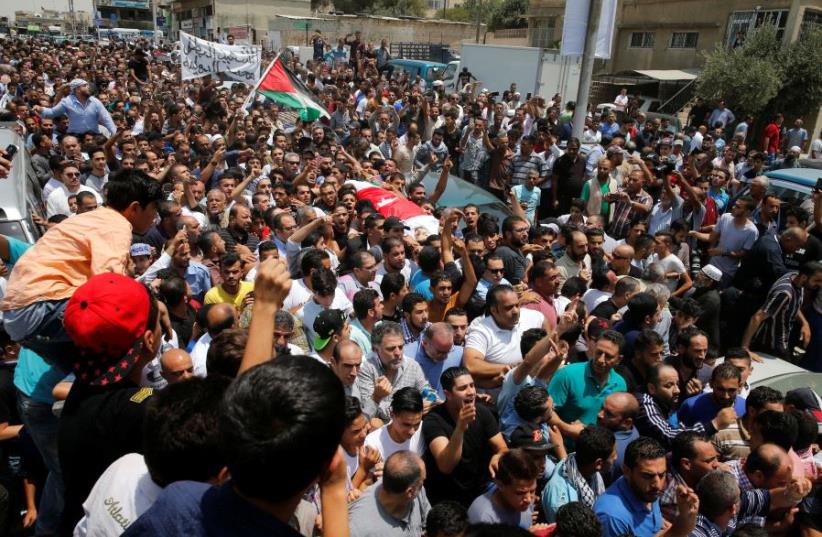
237 62
575 26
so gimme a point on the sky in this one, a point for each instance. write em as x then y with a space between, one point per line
8 7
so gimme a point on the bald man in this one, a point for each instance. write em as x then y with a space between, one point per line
176 366
621 262
218 317
346 360
619 410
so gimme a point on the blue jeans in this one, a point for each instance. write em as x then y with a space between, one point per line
39 327
42 425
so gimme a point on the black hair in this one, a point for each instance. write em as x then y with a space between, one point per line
128 185
180 431
410 300
173 290
353 409
750 530
225 353
595 442
206 240
807 429
229 259
530 338
428 259
646 339
778 428
516 464
288 409
599 278
574 286
725 371
450 375
364 300
761 396
641 305
448 518
643 448
684 446
689 307
530 402
575 519
312 259
323 282
408 399
392 283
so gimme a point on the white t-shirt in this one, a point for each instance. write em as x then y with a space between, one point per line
671 263
352 463
298 295
57 202
311 309
593 297
382 442
123 493
199 353
497 345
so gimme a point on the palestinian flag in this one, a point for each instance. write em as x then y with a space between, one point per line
281 86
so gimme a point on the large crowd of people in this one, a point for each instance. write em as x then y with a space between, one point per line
216 334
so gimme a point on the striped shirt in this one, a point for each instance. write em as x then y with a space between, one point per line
521 166
653 421
753 503
733 443
781 305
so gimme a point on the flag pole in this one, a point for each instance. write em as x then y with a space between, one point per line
253 92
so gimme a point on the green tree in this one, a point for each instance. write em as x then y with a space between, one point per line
764 76
398 7
509 14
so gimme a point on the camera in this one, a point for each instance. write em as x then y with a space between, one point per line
664 169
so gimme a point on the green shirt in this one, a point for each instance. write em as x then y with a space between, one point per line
578 395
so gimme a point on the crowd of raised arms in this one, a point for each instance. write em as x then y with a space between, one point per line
217 333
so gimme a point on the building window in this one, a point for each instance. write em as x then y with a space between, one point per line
435 4
542 33
684 39
810 20
741 23
642 40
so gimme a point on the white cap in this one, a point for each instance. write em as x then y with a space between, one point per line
438 83
712 272
795 149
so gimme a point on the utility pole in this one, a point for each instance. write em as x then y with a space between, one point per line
478 8
587 68
154 20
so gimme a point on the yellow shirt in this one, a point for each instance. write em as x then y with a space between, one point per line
67 256
218 295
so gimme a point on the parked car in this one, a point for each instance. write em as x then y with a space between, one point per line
459 193
428 71
20 193
793 185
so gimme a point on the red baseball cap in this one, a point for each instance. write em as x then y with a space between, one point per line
105 318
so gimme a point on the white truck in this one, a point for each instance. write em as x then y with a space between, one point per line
534 70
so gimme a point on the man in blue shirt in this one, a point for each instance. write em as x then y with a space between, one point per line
725 382
631 505
85 113
435 352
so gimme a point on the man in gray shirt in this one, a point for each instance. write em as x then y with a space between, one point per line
395 506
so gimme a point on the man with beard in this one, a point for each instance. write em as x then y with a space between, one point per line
631 505
85 113
576 261
580 389
725 382
657 409
694 373
239 229
567 181
463 440
692 457
648 352
514 248
707 296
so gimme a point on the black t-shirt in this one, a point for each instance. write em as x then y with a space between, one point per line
470 477
184 326
513 262
98 426
140 68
